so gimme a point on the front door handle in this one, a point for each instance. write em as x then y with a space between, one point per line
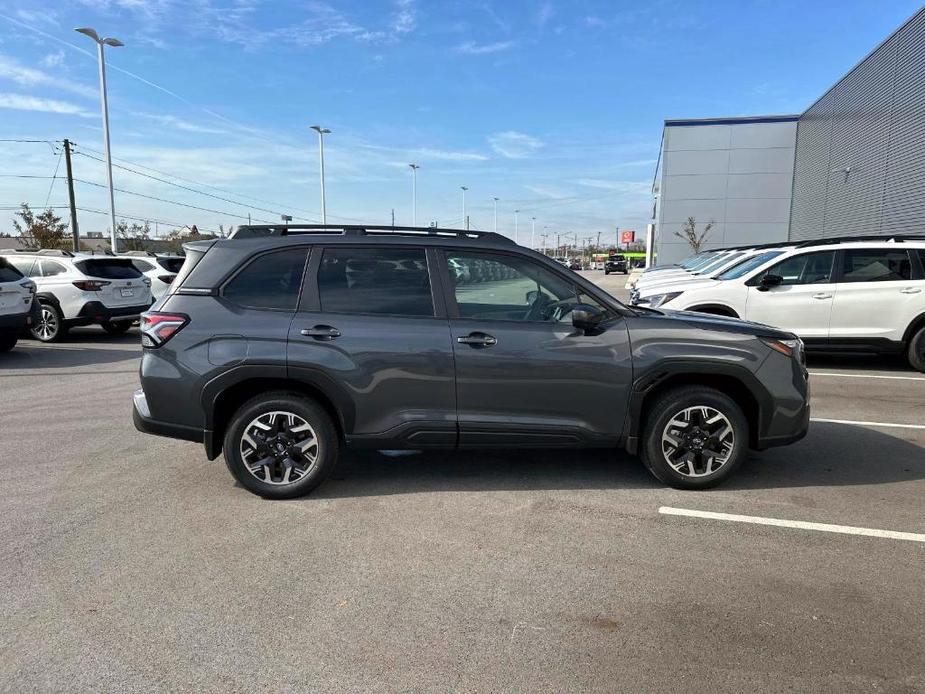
477 340
822 295
321 332
910 290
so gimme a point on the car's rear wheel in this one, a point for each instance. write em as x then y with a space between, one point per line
50 325
694 437
281 445
8 340
117 327
916 352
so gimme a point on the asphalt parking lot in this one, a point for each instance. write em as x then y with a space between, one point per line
132 563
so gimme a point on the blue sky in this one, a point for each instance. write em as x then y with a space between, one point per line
554 107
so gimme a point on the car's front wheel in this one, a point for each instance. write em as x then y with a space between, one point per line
281 445
50 325
694 437
917 350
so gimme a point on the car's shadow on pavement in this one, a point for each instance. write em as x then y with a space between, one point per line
831 455
76 350
860 362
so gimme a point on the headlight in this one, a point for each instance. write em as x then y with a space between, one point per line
657 300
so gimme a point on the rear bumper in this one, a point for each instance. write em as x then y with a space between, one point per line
141 416
96 312
15 321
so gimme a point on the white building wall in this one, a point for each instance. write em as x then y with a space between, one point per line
734 172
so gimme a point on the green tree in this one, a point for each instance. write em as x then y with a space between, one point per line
133 237
45 230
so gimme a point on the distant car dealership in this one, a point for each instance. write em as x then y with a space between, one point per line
852 163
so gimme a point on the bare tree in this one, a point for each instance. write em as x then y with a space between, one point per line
133 237
689 233
45 230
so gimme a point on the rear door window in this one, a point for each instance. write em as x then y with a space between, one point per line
270 281
108 268
381 281
50 268
876 265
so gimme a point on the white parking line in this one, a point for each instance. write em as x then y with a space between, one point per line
800 525
890 378
888 425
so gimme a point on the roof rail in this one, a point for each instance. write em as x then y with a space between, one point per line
882 238
54 251
139 254
246 231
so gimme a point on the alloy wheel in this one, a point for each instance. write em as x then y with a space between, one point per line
47 326
698 441
279 447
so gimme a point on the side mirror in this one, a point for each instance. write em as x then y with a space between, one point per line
769 281
585 317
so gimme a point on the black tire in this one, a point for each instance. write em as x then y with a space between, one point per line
328 445
117 328
606 272
667 407
916 351
8 339
50 326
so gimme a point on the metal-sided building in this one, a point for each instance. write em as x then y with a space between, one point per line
852 163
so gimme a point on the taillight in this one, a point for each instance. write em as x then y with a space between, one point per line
90 285
157 327
167 279
146 282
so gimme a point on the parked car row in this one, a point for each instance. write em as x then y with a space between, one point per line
838 295
47 292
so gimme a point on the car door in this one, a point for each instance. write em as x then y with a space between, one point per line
802 303
524 374
371 331
878 293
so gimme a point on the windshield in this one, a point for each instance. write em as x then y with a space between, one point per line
747 265
704 261
693 259
719 263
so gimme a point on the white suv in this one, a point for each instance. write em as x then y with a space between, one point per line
837 294
79 289
16 295
160 269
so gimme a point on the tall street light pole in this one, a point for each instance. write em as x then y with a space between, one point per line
104 107
496 214
465 209
516 236
533 232
414 193
321 133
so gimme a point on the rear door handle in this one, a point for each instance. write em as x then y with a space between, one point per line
822 296
321 332
910 290
477 339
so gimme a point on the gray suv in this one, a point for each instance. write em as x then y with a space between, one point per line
280 346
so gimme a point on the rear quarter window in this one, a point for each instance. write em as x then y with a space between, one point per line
108 268
272 281
171 264
8 273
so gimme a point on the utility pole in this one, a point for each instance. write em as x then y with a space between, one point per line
598 241
533 233
544 237
557 243
70 194
393 219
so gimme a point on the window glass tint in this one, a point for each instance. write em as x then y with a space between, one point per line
722 262
269 281
8 273
51 268
499 287
171 264
108 268
743 267
809 268
25 265
876 265
386 281
142 265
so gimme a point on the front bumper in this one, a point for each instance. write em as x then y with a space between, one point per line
96 312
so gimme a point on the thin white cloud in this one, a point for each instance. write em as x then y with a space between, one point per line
180 124
425 154
473 48
631 187
15 71
24 102
594 22
404 20
53 60
514 145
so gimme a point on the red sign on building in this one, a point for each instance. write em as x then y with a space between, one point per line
627 237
